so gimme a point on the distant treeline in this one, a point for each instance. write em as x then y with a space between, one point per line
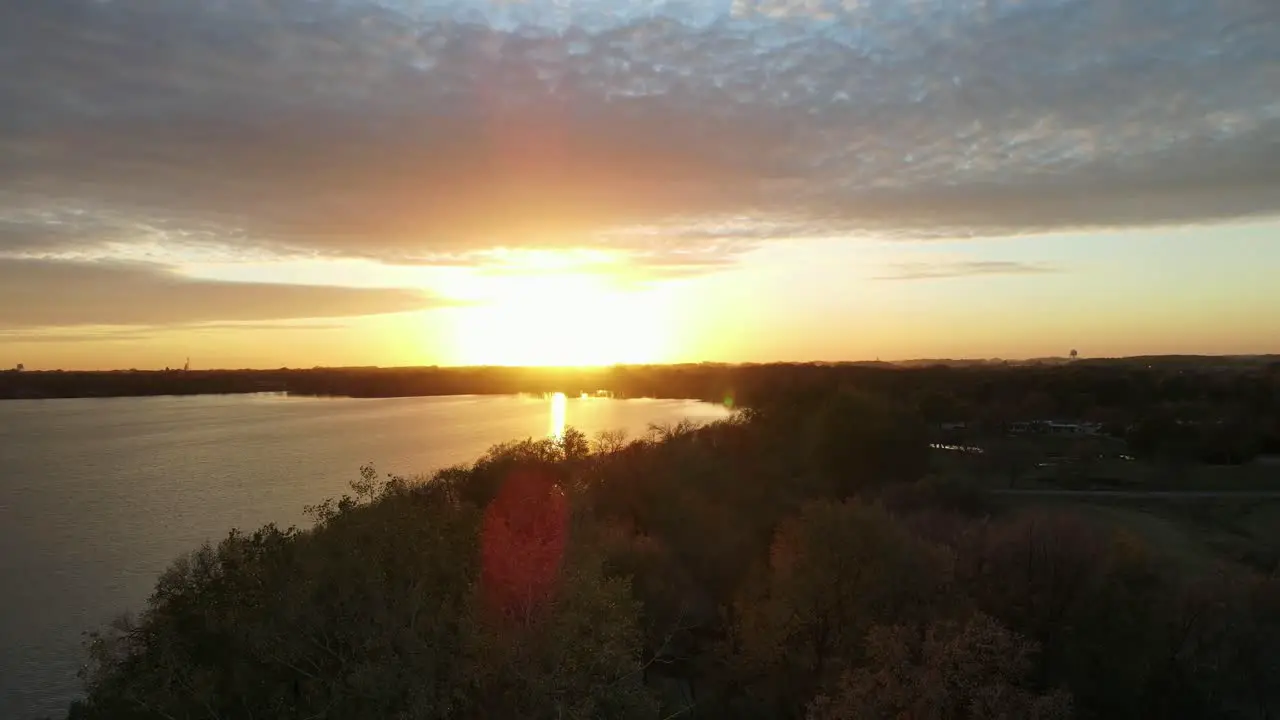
946 392
1073 386
1203 408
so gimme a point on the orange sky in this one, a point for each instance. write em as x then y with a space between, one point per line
597 181
1194 290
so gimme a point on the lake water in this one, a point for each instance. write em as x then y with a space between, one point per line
98 496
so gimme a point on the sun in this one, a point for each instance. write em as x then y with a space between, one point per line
560 319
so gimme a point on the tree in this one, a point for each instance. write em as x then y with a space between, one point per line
578 658
854 441
834 571
1091 600
522 545
574 444
947 670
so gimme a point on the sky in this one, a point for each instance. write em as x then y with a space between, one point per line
267 183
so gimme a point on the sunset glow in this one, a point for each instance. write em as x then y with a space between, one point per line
556 319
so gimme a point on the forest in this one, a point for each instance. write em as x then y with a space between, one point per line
818 555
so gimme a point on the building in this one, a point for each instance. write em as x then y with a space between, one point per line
1061 428
1053 427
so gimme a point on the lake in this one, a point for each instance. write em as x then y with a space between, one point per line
97 496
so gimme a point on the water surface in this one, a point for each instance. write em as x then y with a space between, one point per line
97 496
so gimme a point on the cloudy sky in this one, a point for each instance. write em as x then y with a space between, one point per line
302 182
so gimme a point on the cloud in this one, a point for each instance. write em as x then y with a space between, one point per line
61 336
663 260
93 335
934 270
407 130
50 293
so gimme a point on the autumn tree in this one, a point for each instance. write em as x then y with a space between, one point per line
945 670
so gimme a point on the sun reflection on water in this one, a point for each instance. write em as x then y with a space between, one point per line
558 405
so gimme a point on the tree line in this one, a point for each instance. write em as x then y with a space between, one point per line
1232 406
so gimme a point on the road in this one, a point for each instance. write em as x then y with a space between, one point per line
1148 494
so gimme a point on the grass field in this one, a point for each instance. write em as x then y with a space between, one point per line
1196 532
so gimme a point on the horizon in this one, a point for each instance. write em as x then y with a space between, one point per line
915 361
475 183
